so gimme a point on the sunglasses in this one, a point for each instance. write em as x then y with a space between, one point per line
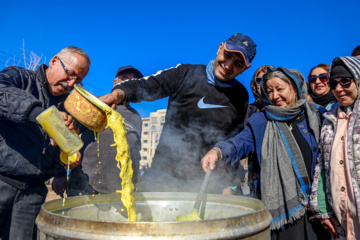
258 80
324 77
344 83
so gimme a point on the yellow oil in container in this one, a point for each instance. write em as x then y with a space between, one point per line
66 159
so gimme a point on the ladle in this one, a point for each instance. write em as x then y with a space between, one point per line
194 215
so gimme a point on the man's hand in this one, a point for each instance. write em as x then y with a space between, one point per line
114 98
59 185
210 160
75 164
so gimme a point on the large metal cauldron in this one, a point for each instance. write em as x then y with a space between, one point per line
103 217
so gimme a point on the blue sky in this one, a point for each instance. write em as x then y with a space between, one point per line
155 35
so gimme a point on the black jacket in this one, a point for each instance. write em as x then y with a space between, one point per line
23 95
198 115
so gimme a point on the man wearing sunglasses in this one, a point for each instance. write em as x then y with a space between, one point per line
27 158
206 104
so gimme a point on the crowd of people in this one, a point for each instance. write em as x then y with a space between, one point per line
300 138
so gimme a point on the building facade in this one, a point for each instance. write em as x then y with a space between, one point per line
151 131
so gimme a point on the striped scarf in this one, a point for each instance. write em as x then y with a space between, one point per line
285 184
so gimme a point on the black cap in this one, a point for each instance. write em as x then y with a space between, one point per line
339 70
356 51
129 68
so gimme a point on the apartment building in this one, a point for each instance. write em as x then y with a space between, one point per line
151 131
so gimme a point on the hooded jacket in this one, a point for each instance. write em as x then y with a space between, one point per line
322 183
23 159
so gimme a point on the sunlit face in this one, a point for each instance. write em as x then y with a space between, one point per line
228 65
61 82
281 93
346 96
319 88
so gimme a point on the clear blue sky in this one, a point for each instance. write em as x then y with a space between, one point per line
155 35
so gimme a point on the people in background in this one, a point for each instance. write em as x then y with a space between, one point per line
98 172
338 165
284 138
356 52
319 90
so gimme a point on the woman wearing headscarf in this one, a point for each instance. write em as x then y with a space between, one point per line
284 138
338 168
319 88
255 86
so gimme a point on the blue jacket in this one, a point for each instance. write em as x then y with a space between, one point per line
250 141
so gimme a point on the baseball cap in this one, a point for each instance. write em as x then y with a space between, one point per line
242 44
130 68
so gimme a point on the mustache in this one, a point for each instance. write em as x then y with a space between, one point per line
65 85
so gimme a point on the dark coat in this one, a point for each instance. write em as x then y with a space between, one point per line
23 95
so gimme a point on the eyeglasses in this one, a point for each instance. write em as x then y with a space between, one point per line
258 80
324 77
344 83
77 80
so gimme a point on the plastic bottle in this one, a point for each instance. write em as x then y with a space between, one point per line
53 123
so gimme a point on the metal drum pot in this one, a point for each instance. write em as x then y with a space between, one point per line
103 217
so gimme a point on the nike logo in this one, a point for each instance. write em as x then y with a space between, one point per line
201 104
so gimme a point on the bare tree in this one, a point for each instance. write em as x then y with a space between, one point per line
31 64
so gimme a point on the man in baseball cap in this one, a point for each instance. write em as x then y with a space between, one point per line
242 44
206 105
233 58
94 178
127 72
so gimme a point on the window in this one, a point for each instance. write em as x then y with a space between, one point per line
144 158
162 119
146 133
144 149
146 124
145 141
153 120
153 128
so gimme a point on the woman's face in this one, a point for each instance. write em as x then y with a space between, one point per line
258 86
319 87
345 95
280 92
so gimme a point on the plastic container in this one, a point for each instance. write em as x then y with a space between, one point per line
53 123
65 159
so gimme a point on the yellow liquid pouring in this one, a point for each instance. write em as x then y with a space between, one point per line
117 124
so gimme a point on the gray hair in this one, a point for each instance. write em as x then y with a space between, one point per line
278 74
72 49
